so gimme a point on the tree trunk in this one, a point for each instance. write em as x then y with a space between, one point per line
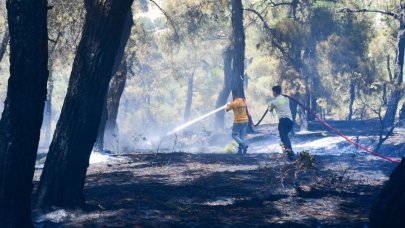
402 115
3 45
119 60
385 100
396 92
352 98
226 89
21 120
389 209
303 115
48 111
313 76
303 119
63 176
47 121
189 97
115 92
294 110
99 144
108 125
238 63
238 41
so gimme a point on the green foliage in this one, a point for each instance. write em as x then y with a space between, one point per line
314 40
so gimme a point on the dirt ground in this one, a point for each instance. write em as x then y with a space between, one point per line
214 189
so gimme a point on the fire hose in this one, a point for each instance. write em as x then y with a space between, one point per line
334 130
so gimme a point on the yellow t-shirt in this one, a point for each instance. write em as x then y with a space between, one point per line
239 111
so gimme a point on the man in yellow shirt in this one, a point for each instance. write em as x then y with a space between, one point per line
240 123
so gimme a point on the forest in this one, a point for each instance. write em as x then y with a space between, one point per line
157 113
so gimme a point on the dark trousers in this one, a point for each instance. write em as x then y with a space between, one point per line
284 127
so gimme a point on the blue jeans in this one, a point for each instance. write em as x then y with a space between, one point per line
239 132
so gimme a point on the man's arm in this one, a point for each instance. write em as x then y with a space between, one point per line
271 106
229 107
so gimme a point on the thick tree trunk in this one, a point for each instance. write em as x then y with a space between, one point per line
189 97
396 92
389 210
238 63
119 60
352 98
21 120
63 176
238 41
3 45
226 89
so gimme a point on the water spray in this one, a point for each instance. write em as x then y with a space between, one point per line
181 127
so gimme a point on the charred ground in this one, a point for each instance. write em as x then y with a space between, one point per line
184 189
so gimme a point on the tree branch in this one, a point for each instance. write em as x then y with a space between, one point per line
53 41
391 14
168 18
274 4
272 32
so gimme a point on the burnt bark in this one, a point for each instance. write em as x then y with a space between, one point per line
238 41
63 176
3 45
189 97
226 89
118 66
396 92
21 120
238 57
389 210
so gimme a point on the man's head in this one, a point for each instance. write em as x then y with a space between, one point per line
235 94
276 90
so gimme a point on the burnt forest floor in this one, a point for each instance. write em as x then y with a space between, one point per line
214 189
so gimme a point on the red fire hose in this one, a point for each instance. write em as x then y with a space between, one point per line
338 132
